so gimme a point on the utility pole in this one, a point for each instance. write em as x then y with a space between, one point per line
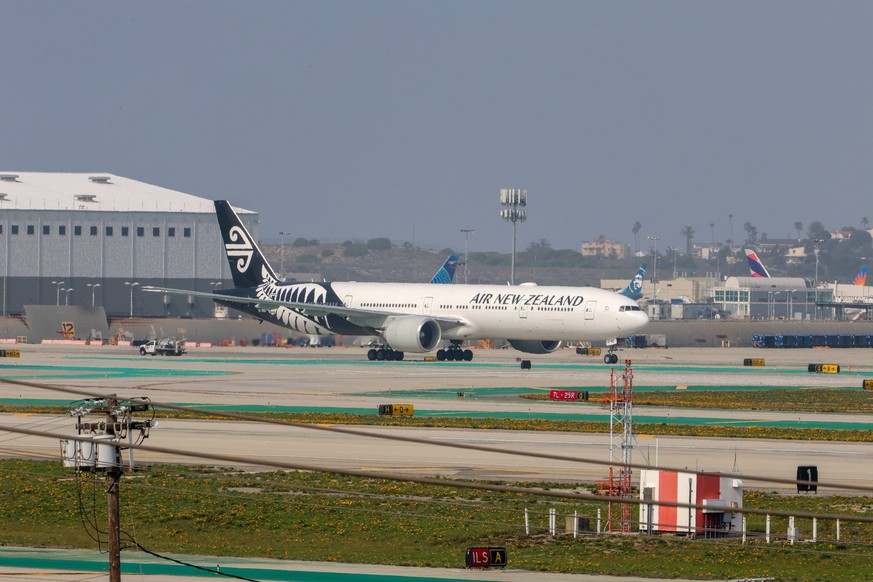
102 452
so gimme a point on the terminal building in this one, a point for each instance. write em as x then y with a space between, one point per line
96 239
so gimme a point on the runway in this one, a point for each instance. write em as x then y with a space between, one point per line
261 379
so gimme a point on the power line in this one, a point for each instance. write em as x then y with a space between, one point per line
449 482
424 441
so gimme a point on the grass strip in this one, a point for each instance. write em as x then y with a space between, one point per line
314 516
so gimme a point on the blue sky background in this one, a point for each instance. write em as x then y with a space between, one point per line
338 120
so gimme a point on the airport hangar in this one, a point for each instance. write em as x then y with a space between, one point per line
89 240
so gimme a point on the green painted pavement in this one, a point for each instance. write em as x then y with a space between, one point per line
137 563
584 413
31 372
732 368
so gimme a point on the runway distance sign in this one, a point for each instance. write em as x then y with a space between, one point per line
867 384
568 395
486 557
10 354
753 362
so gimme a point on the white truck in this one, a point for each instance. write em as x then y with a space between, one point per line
168 346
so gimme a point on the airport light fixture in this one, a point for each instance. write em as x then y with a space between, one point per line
67 296
816 242
655 240
466 232
282 234
58 291
131 284
512 198
93 288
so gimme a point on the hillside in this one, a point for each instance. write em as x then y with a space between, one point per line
339 262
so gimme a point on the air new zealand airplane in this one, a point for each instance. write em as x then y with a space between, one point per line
416 317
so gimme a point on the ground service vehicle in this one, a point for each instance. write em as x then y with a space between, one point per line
168 346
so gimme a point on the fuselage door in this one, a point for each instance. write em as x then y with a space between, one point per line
426 305
522 312
590 307
347 300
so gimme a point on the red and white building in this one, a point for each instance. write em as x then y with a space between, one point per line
724 495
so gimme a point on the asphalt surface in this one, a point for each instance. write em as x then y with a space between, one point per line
258 379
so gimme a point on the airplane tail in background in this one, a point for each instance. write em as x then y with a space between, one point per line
861 277
446 274
755 265
247 263
634 289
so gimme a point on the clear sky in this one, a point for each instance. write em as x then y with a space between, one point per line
362 119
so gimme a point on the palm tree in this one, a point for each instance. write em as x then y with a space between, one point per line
864 222
751 233
688 232
636 230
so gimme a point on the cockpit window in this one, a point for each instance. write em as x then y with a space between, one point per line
629 308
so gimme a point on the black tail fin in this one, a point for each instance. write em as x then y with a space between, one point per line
247 264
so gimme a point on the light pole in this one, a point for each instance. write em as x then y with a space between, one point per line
816 242
93 287
282 234
131 284
466 232
512 198
58 291
67 296
655 240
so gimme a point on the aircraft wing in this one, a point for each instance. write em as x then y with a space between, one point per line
362 317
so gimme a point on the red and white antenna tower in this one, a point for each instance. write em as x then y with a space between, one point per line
621 431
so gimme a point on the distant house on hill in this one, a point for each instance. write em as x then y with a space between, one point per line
603 247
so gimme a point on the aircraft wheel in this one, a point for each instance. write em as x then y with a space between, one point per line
468 355
398 356
441 355
607 359
380 354
371 354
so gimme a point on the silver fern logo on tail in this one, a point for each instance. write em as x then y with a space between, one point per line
242 250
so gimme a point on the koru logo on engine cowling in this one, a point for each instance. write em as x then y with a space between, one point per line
240 248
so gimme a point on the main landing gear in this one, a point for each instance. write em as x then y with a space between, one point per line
454 353
384 354
610 359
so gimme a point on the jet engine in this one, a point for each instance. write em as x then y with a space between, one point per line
535 346
412 334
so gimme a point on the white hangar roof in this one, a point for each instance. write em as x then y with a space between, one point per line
93 191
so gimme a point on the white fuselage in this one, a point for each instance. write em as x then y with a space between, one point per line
504 312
